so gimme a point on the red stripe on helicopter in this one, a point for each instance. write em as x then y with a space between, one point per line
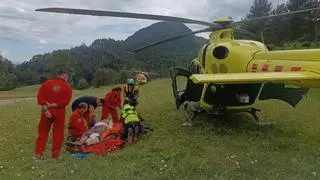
265 67
254 67
296 69
278 68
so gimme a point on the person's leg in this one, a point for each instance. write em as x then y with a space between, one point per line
136 131
43 131
114 116
130 133
105 113
58 133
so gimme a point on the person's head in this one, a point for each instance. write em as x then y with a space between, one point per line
63 75
83 107
100 101
117 90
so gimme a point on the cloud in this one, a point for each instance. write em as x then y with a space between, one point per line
4 52
20 21
42 41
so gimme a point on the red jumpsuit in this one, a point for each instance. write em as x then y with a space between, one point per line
78 125
112 101
53 91
88 118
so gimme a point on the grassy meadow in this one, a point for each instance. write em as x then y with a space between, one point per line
239 150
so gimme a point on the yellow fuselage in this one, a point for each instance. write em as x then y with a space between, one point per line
252 56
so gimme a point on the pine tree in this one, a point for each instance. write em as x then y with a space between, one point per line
259 8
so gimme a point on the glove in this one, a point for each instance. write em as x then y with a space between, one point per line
93 122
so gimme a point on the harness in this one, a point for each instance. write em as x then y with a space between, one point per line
130 92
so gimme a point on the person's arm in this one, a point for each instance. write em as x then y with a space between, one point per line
110 100
41 99
119 103
105 106
123 91
77 127
107 99
137 92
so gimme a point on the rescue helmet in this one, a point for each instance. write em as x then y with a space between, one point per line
131 82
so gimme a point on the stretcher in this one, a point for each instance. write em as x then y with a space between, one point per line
110 141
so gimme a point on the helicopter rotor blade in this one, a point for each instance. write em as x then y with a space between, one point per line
124 70
277 15
240 30
125 15
177 37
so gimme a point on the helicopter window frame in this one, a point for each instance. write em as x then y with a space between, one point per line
223 52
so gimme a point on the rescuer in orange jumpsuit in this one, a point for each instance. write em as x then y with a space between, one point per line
78 125
53 96
112 101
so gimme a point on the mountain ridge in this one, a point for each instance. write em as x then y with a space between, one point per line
106 53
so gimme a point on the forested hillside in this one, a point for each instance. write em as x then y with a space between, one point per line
107 56
100 62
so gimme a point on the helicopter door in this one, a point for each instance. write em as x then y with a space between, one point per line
191 92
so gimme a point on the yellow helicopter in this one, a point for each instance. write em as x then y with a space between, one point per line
230 75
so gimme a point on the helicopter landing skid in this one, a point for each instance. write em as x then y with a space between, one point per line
188 118
253 112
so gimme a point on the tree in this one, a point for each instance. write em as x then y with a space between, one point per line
278 30
259 8
123 77
104 77
8 80
302 24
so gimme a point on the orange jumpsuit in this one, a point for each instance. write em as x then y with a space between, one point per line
78 125
112 101
53 91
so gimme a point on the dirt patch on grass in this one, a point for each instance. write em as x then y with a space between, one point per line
11 101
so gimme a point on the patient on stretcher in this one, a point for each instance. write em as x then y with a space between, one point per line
93 135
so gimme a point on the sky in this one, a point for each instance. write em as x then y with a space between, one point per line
25 32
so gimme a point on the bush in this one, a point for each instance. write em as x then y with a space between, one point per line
82 84
42 79
8 81
123 77
306 44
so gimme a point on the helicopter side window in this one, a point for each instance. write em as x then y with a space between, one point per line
220 52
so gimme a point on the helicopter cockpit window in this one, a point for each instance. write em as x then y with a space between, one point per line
220 52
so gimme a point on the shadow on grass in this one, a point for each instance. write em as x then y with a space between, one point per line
235 124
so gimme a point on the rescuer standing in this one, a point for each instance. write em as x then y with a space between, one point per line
53 97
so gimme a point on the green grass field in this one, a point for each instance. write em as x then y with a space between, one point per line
239 150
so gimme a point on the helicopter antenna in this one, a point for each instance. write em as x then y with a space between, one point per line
262 38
